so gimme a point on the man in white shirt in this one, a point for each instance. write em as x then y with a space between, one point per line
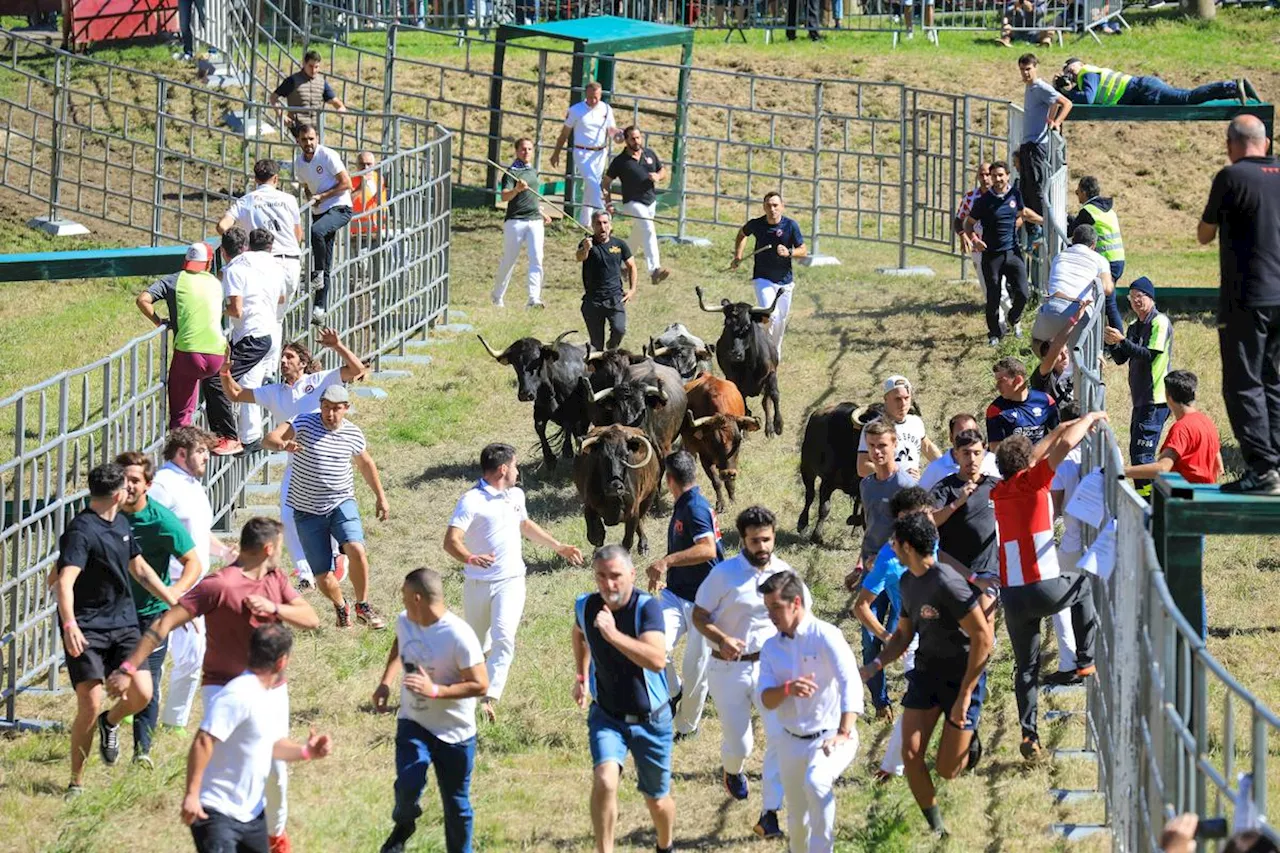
730 612
914 447
321 171
485 535
1078 276
592 124
444 672
179 486
269 207
245 729
809 681
947 464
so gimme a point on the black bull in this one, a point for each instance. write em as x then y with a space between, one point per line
747 357
547 375
652 399
616 472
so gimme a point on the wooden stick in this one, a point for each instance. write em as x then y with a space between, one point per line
760 251
544 199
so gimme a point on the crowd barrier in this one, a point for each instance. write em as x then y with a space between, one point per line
149 155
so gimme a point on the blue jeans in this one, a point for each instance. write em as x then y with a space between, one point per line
144 722
1145 427
1154 92
324 230
1115 319
188 11
649 744
416 750
884 610
342 523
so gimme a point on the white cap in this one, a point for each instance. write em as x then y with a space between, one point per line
197 259
894 382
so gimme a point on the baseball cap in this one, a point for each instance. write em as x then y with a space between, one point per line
894 382
197 259
336 394
1143 285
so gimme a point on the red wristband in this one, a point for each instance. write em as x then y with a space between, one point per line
786 687
582 679
127 667
306 752
69 623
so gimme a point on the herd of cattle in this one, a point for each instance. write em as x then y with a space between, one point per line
619 414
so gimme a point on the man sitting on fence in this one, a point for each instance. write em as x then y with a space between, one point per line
1103 87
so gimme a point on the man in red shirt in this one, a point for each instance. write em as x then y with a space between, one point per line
1192 447
235 601
1032 584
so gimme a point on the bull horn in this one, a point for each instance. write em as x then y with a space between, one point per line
699 422
595 355
601 396
661 351
862 416
702 305
705 352
498 356
765 312
654 389
562 336
648 456
587 442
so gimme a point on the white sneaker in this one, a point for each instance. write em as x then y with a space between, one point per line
932 35
535 303
994 342
496 300
317 316
1017 329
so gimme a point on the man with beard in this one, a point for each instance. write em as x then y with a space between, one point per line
639 170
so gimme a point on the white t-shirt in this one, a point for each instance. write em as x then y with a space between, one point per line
1075 271
731 595
286 402
590 125
177 490
946 465
490 522
247 720
1066 477
910 440
321 175
444 650
272 210
262 285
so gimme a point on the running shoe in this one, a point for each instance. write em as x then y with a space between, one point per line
317 316
736 785
993 342
366 615
767 825
279 843
1062 678
1086 671
884 714
975 751
660 275
73 792
305 583
1253 483
143 760
535 303
683 736
227 447
343 612
395 842
108 740
1030 749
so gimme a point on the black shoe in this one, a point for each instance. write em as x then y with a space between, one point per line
399 835
767 825
683 736
108 740
1030 749
1253 483
1062 678
674 702
975 751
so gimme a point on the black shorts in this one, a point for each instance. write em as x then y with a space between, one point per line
926 690
103 654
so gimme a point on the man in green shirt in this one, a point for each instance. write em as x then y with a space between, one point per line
523 225
160 536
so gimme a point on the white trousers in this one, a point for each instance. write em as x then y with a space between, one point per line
590 168
734 687
292 541
892 761
644 232
277 793
765 291
493 610
1062 628
808 778
517 233
691 681
186 659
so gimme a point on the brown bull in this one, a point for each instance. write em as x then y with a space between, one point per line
616 472
713 428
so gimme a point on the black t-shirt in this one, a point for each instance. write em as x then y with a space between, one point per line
969 533
619 685
935 602
602 272
1245 205
636 175
1058 386
771 266
102 550
999 217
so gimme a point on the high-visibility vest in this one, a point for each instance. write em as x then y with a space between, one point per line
367 193
1107 224
1111 84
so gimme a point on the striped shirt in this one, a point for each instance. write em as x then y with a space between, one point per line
967 205
321 476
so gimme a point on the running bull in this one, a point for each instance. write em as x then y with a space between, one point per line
616 472
714 428
747 357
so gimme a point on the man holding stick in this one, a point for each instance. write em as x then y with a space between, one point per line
603 258
523 225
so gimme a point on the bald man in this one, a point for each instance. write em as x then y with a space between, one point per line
592 125
1243 211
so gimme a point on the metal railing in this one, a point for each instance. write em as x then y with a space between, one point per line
389 281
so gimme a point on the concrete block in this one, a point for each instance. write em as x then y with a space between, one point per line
1077 831
372 392
1067 796
455 328
927 272
820 260
413 360
56 226
253 510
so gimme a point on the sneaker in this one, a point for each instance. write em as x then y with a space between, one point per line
143 760
660 275
736 785
884 714
993 341
279 843
340 567
183 57
108 740
227 447
534 304
73 792
1242 91
497 301
884 777
305 584
317 316
1086 672
1062 678
367 615
317 279
176 731
343 613
683 736
1017 329
1030 749
399 835
975 752
1253 483
932 36
767 825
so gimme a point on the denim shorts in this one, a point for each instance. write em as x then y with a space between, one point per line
342 523
649 745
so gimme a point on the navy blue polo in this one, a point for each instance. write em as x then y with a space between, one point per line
999 217
620 686
770 265
691 520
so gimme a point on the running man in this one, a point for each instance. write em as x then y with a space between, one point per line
604 260
485 534
778 242
592 125
639 170
1001 212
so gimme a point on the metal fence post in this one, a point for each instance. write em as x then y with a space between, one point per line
61 79
817 166
907 127
157 189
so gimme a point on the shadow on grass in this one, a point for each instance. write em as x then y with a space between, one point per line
1226 633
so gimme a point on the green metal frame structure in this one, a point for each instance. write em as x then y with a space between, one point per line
596 41
1210 111
93 263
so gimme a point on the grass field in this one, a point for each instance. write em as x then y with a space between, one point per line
849 328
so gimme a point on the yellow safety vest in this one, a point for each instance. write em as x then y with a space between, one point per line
1107 224
1111 84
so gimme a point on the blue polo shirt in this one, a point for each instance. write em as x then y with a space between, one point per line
770 265
999 217
1034 417
620 686
691 520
